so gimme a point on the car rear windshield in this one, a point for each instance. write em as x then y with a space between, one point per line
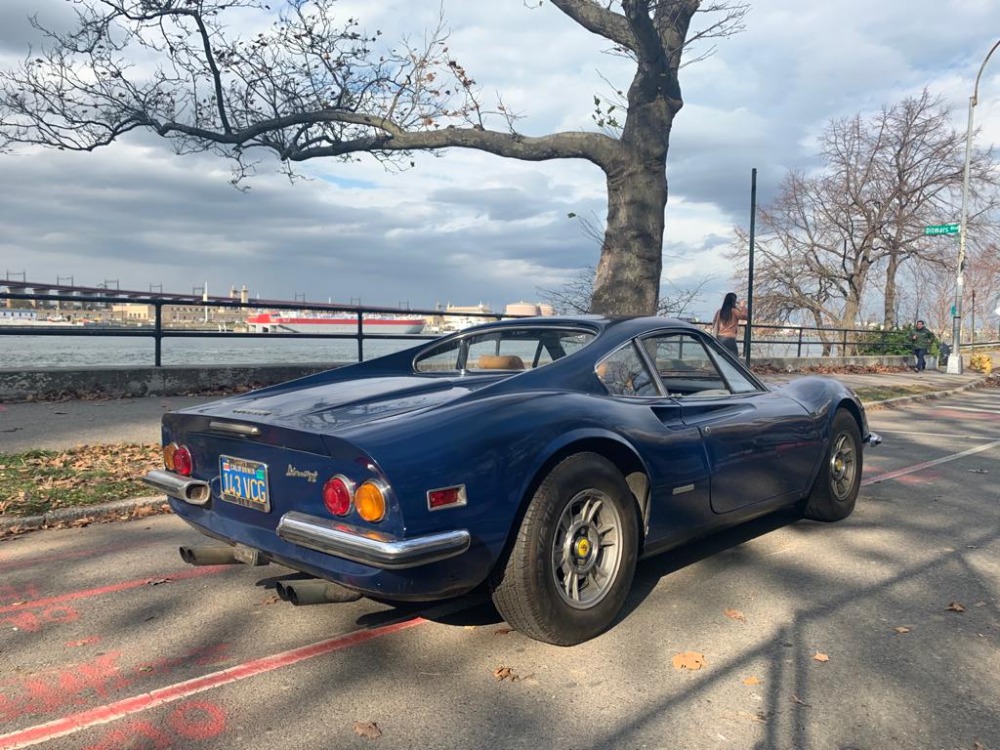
506 348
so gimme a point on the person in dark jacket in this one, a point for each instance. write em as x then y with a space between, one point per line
922 338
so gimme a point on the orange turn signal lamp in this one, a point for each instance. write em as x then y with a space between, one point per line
339 495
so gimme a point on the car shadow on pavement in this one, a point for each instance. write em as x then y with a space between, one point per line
652 570
476 610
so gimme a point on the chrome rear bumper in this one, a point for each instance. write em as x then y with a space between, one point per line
367 547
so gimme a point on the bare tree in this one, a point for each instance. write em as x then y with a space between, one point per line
828 237
309 88
574 296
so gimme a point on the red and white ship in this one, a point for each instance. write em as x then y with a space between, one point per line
302 322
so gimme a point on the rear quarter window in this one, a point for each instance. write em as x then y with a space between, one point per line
506 348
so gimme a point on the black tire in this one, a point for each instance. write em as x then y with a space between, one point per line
571 565
835 490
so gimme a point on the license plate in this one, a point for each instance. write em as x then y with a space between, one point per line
244 483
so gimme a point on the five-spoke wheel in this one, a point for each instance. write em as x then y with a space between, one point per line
571 566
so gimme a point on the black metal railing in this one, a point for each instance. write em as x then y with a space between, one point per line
803 340
157 331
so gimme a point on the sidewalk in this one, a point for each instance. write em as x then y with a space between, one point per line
55 425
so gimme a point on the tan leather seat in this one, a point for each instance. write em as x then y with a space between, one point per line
500 362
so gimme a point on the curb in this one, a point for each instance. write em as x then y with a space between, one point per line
891 403
143 507
118 510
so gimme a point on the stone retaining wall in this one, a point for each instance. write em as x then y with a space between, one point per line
56 383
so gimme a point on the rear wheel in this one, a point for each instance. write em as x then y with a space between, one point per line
572 563
835 491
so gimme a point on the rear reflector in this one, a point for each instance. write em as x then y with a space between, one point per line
446 497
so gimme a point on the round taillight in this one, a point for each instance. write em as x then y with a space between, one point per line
183 463
337 494
370 501
168 455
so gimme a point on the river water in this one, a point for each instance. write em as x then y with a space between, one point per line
35 352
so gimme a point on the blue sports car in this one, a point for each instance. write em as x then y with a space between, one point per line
539 458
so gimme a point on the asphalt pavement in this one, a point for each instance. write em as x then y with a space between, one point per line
56 425
881 631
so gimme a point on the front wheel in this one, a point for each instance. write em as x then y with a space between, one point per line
835 491
572 563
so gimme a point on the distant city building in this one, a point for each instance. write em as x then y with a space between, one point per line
521 309
15 317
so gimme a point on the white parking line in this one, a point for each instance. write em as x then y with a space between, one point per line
976 409
889 431
927 464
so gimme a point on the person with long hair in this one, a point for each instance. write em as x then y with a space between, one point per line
727 320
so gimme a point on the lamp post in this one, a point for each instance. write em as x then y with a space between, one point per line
955 357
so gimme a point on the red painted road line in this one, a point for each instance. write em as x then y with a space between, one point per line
113 711
113 588
927 464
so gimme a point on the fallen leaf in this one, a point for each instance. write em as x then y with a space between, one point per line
955 607
735 614
902 629
797 699
272 599
750 681
689 660
503 631
818 656
504 673
157 581
367 729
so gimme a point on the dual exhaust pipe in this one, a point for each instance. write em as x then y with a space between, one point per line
315 591
298 592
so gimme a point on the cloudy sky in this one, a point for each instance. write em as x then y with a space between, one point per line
466 227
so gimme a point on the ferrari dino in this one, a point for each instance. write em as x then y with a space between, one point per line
535 458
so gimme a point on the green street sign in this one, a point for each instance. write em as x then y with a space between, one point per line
941 229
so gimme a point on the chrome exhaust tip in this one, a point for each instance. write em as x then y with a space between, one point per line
301 593
208 555
193 491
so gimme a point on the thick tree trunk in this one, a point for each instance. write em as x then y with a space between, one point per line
628 274
889 305
849 320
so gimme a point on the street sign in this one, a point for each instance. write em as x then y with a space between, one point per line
933 229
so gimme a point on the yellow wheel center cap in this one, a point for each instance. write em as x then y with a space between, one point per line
582 547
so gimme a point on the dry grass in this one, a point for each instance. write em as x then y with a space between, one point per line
38 481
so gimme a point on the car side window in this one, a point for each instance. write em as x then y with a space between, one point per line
738 382
444 358
505 348
687 368
625 373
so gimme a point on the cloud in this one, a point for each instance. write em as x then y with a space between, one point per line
465 226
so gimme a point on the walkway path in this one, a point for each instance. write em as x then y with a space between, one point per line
65 424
